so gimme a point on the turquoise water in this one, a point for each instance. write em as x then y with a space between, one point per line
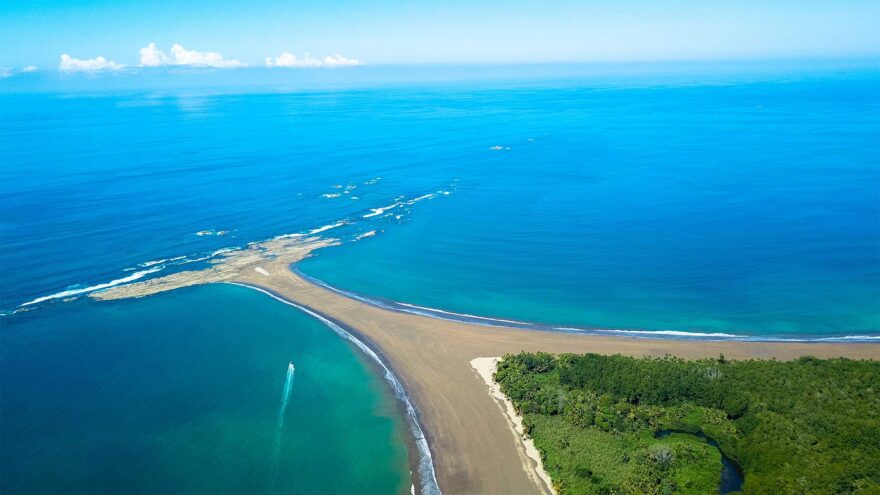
181 393
745 204
747 209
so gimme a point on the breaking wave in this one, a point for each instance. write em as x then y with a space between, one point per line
75 292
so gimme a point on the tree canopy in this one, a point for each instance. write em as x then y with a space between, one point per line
809 426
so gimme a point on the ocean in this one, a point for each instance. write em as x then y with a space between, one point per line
731 206
189 392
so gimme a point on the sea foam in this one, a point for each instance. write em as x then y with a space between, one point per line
379 211
75 292
328 227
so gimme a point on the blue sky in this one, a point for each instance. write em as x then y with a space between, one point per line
375 32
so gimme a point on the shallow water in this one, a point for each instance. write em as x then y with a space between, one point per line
744 204
181 393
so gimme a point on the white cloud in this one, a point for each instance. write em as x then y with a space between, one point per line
70 64
183 56
339 61
288 59
10 71
153 57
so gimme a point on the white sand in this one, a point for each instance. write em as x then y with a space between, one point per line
485 367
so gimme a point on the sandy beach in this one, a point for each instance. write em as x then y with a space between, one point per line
474 448
530 455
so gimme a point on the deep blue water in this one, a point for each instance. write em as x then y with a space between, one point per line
748 206
744 204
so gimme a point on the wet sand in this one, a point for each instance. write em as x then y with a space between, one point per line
474 449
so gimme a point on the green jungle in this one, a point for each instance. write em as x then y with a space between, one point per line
616 424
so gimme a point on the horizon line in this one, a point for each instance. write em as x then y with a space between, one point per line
872 58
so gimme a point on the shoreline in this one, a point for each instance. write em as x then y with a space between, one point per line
442 314
424 474
531 457
471 444
224 263
471 441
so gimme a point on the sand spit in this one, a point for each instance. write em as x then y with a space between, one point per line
531 457
226 266
472 444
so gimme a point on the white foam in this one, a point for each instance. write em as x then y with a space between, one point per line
194 260
288 236
221 251
676 333
158 262
379 211
428 478
365 235
202 233
850 337
328 227
497 322
465 315
20 309
73 292
151 263
330 195
420 198
398 201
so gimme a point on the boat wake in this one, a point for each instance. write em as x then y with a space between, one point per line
285 398
427 477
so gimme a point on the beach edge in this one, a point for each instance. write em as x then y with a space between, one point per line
530 455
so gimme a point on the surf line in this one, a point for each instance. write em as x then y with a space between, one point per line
285 398
427 477
487 321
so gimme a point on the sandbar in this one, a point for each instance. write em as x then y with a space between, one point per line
473 446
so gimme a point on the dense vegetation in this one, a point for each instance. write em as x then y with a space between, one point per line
808 426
